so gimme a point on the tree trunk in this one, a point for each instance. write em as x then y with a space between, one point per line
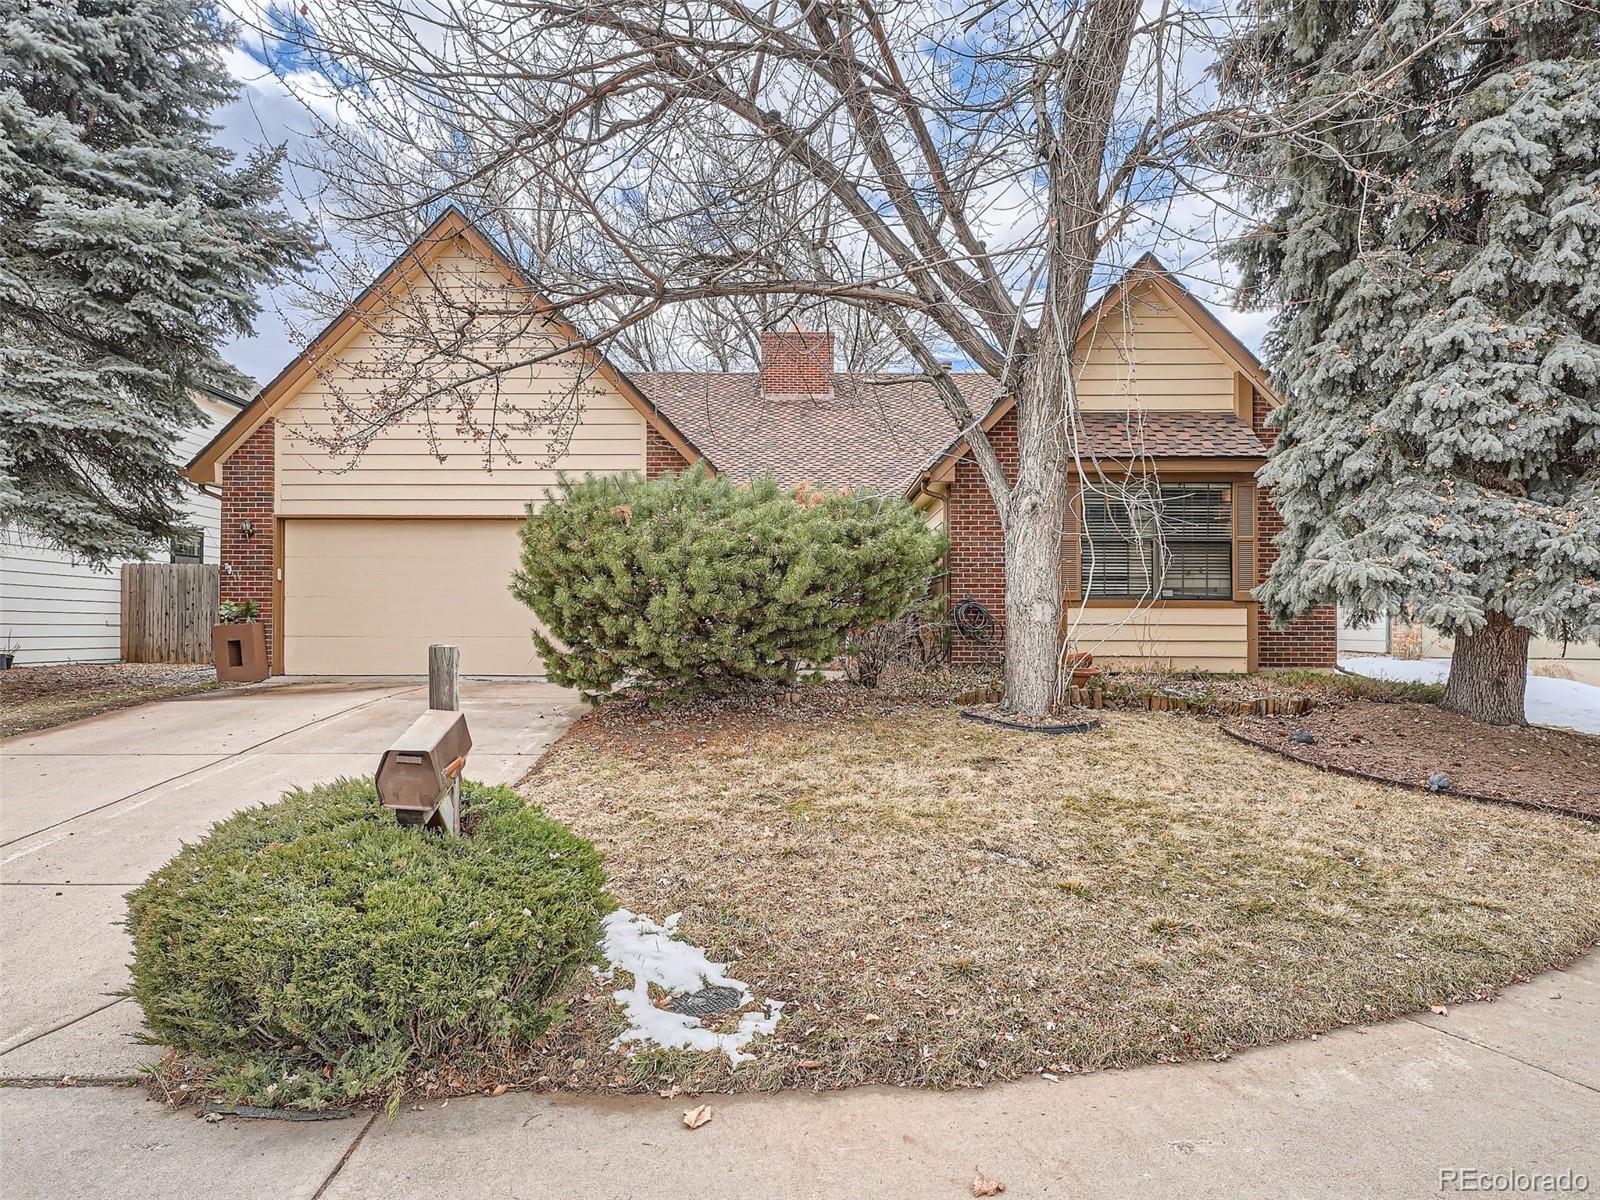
1489 673
1033 599
1086 85
1033 522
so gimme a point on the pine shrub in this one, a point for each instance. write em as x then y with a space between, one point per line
314 950
689 583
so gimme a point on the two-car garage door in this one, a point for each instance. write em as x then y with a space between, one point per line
367 597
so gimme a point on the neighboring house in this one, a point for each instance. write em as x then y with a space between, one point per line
58 609
357 565
1370 638
1386 634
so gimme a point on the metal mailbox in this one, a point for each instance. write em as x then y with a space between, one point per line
417 773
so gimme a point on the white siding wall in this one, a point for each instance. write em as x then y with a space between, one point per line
1363 639
60 610
1374 639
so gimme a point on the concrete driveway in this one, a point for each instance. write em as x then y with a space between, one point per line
90 809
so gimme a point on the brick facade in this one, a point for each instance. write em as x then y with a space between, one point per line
247 495
1311 639
977 546
977 561
660 456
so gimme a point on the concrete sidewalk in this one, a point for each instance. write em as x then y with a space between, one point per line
1370 1115
88 810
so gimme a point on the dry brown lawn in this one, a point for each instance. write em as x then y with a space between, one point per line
943 903
35 698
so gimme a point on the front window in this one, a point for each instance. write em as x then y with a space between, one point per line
1172 541
188 546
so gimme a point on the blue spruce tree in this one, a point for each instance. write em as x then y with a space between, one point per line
130 247
1430 175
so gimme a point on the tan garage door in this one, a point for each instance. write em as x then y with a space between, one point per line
368 597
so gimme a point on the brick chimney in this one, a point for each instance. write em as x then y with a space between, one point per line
796 362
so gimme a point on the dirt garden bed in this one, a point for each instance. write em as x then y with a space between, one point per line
937 902
35 698
1406 743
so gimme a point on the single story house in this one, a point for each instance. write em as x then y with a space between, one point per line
58 609
359 562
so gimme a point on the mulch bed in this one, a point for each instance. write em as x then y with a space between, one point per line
1065 720
648 733
1405 743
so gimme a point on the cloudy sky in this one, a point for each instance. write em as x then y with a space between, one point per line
265 114
268 113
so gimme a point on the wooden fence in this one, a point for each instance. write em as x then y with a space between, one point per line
168 610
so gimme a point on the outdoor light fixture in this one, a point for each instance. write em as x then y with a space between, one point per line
247 529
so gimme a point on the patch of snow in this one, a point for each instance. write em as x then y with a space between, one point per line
651 954
1561 702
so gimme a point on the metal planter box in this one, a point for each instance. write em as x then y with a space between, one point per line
240 652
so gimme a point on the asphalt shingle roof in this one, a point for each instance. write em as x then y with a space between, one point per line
1191 434
879 432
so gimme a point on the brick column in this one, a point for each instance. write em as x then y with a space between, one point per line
247 495
1311 639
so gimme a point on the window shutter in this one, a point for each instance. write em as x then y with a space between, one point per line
1072 546
1244 540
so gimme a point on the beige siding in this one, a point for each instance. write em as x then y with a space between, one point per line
1211 638
1144 353
583 424
369 597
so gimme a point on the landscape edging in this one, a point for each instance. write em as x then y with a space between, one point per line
1352 773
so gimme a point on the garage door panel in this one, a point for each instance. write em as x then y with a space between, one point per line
369 597
333 615
422 577
375 655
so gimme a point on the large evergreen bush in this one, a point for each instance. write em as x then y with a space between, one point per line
311 951
690 583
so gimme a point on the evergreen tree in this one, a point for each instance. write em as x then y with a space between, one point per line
130 246
1431 172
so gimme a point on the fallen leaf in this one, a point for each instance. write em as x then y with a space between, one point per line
499 1090
1439 1010
808 1064
984 1186
697 1116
